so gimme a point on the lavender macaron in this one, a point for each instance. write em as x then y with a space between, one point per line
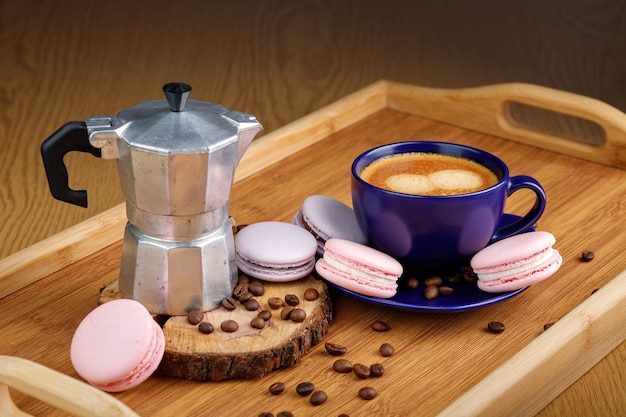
275 251
327 218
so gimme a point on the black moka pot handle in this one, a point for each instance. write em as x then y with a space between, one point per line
72 136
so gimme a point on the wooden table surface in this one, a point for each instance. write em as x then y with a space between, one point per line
68 60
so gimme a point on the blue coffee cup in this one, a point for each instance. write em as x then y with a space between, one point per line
439 231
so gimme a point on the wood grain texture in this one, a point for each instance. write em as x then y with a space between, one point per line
69 60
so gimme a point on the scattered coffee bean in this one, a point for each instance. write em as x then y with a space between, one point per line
292 300
386 350
286 312
275 302
587 256
342 366
469 275
446 290
252 304
229 303
361 371
431 292
412 283
195 316
367 393
298 315
229 326
547 326
495 327
433 280
379 326
266 415
245 297
265 315
257 323
377 370
311 294
285 414
240 289
343 415
206 327
454 278
305 388
161 319
277 388
318 398
256 288
334 349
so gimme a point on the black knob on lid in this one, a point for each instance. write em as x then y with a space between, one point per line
177 94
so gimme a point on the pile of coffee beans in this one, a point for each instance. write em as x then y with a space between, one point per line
436 285
361 371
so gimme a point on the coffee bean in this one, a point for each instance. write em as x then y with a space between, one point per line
277 388
386 350
229 326
286 312
334 349
377 370
256 288
342 366
433 280
229 303
469 275
265 315
454 278
495 327
412 283
195 316
206 327
361 371
305 388
292 300
379 326
318 398
285 414
245 297
257 323
275 302
587 256
252 304
161 319
311 294
431 292
367 393
266 415
446 290
298 315
240 289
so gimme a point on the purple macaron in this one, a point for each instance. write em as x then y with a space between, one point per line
275 251
327 218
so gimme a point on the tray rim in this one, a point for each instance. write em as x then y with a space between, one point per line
593 322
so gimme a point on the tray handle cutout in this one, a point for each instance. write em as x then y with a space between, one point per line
540 116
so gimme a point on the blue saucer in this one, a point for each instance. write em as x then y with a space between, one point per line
465 297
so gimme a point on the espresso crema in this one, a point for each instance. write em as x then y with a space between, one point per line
421 173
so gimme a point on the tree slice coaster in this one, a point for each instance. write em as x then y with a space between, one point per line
246 352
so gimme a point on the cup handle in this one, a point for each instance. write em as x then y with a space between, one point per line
528 221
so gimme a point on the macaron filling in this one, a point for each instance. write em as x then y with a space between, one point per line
257 268
366 273
513 268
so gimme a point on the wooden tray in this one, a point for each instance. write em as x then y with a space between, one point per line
444 364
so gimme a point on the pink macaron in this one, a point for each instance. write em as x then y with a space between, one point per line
516 262
359 268
117 346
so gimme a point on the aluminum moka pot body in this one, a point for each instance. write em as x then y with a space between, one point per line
176 162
